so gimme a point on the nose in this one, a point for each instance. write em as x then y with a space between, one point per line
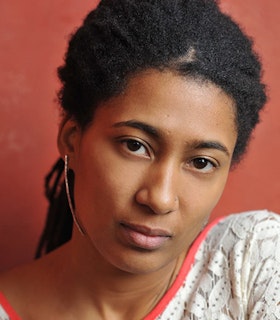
159 190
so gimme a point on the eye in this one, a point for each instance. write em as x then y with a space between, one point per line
136 147
203 165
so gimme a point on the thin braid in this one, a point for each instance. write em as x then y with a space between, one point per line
58 226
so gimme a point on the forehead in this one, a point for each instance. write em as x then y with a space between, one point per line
173 104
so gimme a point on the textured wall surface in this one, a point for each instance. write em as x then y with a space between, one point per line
255 184
33 38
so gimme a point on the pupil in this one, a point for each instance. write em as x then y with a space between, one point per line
200 163
133 145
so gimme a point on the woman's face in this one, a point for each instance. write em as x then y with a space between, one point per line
151 167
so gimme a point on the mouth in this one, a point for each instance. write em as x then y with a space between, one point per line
144 237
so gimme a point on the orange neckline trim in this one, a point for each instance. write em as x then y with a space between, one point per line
185 269
159 308
8 308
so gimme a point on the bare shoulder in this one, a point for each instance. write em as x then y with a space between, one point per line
28 288
17 285
16 279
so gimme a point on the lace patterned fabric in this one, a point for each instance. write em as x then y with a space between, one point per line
235 274
231 273
3 314
6 311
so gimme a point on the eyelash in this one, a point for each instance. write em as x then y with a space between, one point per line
208 162
136 143
190 164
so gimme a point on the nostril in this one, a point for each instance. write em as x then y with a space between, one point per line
167 212
157 202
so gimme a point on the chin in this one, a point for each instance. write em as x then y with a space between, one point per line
140 263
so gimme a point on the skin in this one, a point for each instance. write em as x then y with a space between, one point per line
156 184
148 170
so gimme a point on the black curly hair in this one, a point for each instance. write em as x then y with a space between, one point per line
193 38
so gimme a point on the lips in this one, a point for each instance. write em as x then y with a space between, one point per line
144 237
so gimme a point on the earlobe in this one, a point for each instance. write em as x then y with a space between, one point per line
68 138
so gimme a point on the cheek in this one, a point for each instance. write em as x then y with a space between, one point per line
215 191
200 197
103 184
195 211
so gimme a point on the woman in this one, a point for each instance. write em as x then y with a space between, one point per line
159 100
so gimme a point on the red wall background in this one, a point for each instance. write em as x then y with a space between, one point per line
33 37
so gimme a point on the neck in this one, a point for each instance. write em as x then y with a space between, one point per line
110 292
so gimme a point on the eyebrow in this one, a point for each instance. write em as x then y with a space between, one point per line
211 145
152 131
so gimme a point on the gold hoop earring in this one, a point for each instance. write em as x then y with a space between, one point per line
75 219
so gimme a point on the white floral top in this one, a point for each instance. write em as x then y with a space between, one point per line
232 272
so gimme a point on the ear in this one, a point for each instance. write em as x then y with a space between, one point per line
68 139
